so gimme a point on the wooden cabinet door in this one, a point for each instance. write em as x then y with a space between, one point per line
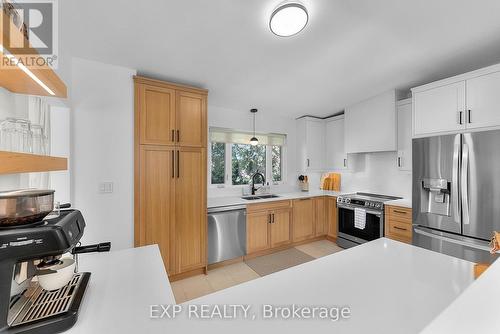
156 115
156 209
483 100
191 119
280 227
190 208
321 227
438 109
332 217
303 219
258 231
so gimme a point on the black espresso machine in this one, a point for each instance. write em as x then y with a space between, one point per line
25 307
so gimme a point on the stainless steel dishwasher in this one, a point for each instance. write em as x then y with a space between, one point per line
226 233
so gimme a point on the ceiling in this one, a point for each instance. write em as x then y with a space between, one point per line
350 50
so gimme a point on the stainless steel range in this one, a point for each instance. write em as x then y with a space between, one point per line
360 218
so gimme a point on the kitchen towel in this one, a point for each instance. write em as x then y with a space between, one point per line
359 218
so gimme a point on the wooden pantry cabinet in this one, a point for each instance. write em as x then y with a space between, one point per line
268 225
171 172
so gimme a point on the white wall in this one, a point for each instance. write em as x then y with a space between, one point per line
372 172
102 145
265 123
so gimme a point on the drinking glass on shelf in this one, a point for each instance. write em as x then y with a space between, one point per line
7 134
24 136
38 139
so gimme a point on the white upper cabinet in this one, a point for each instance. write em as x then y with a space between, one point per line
404 135
483 101
336 158
440 109
370 126
310 144
466 102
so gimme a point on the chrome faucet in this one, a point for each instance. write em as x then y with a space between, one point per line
253 182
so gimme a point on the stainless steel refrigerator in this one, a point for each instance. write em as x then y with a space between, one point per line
456 193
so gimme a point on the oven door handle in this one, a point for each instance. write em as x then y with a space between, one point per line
376 213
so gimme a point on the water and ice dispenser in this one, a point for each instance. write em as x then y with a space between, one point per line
435 196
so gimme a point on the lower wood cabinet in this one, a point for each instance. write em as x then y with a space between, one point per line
398 223
268 225
303 219
332 217
320 215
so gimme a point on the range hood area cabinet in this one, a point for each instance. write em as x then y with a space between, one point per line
336 158
171 173
370 125
310 144
465 102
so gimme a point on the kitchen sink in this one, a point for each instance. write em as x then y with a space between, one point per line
254 197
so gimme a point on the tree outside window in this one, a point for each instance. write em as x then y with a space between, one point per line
246 161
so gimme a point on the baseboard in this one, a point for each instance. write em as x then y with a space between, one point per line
186 274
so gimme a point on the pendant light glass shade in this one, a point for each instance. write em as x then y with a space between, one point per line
254 141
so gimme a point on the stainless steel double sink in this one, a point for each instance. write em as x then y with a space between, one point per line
254 197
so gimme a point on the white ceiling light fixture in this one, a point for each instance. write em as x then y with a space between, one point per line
288 19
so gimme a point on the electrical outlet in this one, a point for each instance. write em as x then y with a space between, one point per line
105 187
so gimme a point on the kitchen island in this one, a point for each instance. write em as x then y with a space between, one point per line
386 286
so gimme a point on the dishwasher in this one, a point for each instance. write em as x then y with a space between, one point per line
227 237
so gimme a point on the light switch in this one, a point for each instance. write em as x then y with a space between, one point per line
106 187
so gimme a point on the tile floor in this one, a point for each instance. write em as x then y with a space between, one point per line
234 274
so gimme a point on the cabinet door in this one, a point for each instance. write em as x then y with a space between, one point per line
404 136
315 137
438 109
190 208
258 231
156 194
191 119
303 219
321 227
483 101
332 217
280 227
336 158
156 115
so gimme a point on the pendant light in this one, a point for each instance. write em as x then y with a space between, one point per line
253 141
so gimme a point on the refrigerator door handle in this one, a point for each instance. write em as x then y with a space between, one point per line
465 184
455 191
484 247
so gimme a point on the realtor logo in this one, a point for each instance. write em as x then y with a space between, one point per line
29 32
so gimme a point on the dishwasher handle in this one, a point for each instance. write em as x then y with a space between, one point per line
226 208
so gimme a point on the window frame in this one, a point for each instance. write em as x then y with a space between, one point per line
228 170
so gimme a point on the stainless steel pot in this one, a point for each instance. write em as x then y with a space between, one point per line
26 206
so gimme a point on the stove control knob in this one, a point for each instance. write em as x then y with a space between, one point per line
347 200
372 205
378 206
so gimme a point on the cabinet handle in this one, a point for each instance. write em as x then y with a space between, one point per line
173 167
269 218
345 162
401 212
399 161
273 218
400 228
173 135
307 162
460 117
178 136
468 116
178 164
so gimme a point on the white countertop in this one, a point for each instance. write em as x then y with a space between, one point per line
476 310
389 287
122 286
214 202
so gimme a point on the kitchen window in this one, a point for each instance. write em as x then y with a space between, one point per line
233 161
